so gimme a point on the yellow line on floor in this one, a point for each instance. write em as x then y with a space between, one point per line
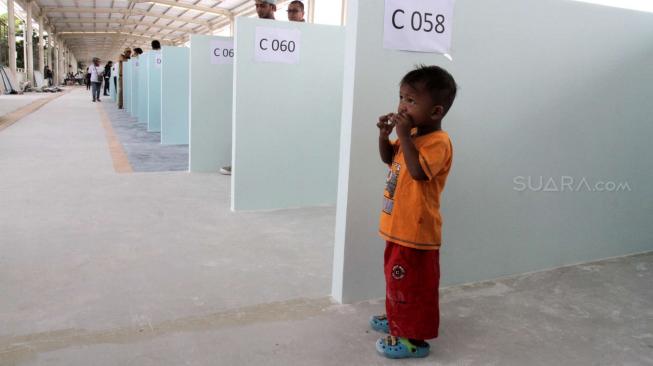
118 155
13 117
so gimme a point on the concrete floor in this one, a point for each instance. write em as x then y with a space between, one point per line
11 102
99 268
143 148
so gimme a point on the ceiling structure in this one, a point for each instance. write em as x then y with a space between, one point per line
104 28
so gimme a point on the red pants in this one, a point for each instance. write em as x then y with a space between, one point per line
412 280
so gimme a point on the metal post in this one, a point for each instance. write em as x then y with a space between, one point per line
11 36
29 61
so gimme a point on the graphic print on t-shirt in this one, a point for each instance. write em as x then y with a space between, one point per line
390 187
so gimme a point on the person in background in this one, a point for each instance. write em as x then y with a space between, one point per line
296 11
266 8
96 78
156 45
127 54
47 73
87 78
107 77
122 58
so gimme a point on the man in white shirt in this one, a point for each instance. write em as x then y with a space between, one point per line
96 78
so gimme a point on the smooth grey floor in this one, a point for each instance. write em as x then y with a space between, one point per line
143 148
12 102
104 269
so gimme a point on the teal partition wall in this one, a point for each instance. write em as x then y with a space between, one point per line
287 119
112 87
549 91
154 91
127 85
112 91
143 78
211 90
174 95
135 84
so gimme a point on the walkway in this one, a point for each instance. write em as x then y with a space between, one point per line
101 268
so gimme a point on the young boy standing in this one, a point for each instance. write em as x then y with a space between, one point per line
410 223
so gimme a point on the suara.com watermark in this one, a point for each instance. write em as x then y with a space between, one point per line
567 183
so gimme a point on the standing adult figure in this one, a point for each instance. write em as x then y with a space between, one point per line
87 78
47 73
296 11
95 71
107 77
124 57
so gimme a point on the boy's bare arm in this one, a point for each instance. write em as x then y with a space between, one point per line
411 154
385 126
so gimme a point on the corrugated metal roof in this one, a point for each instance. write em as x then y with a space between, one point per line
104 28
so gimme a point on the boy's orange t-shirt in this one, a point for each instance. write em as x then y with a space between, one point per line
411 208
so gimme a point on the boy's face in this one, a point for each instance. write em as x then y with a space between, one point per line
418 105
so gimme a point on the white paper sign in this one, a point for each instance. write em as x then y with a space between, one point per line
222 51
158 60
277 45
418 25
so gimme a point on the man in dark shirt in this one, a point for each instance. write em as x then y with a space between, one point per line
107 77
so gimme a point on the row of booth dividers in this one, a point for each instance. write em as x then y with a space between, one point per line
276 124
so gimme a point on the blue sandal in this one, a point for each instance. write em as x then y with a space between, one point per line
380 323
397 347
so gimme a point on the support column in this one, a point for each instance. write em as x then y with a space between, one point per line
11 35
29 60
62 69
24 49
41 53
311 11
55 62
68 60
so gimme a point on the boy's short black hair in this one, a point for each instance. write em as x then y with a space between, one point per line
156 45
436 81
138 50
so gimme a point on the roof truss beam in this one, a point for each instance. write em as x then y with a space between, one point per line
82 33
127 12
205 9
61 21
